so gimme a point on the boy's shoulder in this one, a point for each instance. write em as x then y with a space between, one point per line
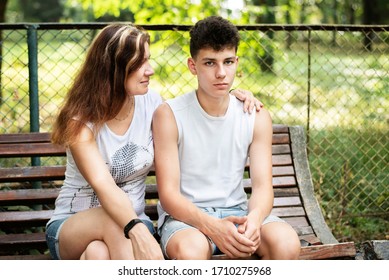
182 101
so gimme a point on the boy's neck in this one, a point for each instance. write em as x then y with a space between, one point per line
213 106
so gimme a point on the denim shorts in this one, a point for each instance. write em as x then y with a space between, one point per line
52 234
172 226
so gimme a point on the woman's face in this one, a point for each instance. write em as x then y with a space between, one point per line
137 83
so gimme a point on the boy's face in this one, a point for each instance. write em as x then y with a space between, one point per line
215 70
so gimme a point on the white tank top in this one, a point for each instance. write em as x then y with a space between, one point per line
129 158
212 152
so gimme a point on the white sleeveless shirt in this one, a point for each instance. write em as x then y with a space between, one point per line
213 152
128 157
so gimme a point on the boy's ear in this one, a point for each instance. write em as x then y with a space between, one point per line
192 66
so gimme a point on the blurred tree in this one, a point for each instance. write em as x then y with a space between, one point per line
42 10
147 12
266 14
370 16
3 6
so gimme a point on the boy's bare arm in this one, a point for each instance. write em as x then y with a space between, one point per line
261 200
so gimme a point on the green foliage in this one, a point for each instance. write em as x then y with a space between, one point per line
348 187
147 12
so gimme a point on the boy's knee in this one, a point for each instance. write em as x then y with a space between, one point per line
191 254
189 249
287 248
280 242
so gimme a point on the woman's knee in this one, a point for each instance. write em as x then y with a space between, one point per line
96 250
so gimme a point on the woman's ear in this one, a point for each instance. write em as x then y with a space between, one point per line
192 66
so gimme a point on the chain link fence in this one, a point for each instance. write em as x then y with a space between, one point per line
333 80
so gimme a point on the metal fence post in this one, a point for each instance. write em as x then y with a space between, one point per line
32 42
309 87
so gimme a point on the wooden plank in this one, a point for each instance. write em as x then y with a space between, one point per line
32 173
328 251
304 230
297 221
286 191
283 212
304 180
22 239
283 170
315 252
279 190
309 238
45 137
26 257
286 181
280 128
30 149
287 201
15 217
29 137
278 182
278 160
281 149
28 196
280 138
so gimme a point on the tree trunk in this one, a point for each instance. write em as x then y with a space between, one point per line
370 16
3 6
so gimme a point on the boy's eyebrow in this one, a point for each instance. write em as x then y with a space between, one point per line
210 58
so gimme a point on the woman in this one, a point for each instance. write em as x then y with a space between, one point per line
105 124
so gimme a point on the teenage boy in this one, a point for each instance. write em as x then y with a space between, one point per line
202 141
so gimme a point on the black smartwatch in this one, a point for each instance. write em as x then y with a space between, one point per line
130 225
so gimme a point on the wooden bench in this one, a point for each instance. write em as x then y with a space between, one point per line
24 210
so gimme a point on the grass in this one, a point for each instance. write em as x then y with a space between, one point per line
347 99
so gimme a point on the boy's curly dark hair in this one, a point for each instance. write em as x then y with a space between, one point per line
213 32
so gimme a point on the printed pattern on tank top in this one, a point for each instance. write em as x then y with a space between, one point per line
123 167
124 160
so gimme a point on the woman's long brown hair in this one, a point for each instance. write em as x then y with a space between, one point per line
98 91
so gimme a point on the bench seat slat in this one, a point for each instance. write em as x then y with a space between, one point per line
310 238
328 251
316 252
297 221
